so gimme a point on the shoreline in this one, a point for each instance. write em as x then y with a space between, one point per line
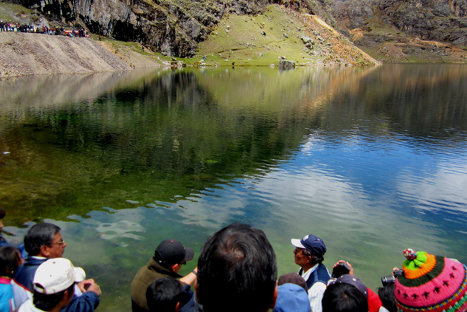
24 54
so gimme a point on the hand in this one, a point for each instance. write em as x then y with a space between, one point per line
89 285
351 272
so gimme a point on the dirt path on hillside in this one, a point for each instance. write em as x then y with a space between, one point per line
35 54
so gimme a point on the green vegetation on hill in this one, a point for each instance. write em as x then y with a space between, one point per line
265 38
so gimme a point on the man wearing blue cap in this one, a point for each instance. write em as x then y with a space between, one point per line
309 252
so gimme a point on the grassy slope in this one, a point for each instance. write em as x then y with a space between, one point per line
263 39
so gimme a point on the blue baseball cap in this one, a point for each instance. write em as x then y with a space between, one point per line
312 243
292 298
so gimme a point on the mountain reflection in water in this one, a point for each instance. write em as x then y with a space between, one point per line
373 161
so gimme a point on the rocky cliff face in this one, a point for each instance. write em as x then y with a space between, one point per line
171 27
175 27
399 30
439 20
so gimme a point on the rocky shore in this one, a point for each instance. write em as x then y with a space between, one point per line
37 54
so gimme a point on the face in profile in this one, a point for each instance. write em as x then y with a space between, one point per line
57 247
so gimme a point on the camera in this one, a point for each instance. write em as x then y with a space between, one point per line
340 269
391 279
388 280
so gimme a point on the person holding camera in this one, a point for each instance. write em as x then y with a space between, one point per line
309 255
342 268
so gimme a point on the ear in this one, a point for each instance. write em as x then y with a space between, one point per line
274 298
44 251
178 306
175 267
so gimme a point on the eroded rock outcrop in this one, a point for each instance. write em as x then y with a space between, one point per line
438 20
171 27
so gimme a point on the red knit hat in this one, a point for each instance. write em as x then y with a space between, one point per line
431 283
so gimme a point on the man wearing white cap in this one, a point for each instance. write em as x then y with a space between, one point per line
54 285
309 255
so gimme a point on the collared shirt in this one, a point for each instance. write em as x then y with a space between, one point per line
316 291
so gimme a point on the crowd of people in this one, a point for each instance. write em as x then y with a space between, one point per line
236 271
42 29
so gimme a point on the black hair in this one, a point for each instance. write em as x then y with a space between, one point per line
2 213
386 294
164 293
342 297
237 270
314 258
48 302
10 258
39 235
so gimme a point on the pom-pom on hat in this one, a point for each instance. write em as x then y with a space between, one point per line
431 284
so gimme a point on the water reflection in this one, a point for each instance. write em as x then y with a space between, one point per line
373 161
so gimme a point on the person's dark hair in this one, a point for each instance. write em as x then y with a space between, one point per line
386 294
342 297
10 258
2 213
314 258
38 235
164 293
237 270
48 302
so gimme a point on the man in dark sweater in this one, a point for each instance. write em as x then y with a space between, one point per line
168 259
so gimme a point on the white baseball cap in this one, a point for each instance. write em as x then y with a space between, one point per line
56 275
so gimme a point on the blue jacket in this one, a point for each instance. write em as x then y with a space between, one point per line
321 274
25 274
87 302
6 295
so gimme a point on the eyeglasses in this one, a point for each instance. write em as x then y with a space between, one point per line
60 242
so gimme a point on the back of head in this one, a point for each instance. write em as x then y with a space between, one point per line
172 251
237 270
10 259
293 278
292 298
52 279
38 235
386 294
2 213
430 282
342 297
164 293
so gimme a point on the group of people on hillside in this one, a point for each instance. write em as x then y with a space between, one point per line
236 271
42 29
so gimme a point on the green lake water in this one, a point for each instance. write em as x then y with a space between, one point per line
371 160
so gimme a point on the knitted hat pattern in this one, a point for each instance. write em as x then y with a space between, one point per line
431 283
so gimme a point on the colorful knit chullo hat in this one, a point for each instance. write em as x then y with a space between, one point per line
431 284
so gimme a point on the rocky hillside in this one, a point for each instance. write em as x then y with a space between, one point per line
389 30
410 30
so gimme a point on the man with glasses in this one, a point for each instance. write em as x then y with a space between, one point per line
44 241
309 255
167 261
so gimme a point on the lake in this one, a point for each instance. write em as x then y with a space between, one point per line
371 160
